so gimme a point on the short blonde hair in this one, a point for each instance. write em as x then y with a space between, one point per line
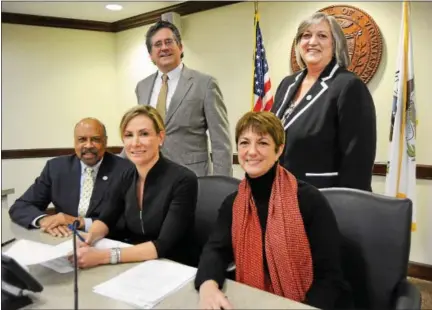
261 123
340 45
146 110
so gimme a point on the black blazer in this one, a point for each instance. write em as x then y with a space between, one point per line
59 183
331 134
168 208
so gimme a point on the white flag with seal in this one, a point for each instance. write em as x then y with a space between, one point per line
401 167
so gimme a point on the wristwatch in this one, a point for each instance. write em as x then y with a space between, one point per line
113 257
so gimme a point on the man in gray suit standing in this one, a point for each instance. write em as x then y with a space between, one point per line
190 102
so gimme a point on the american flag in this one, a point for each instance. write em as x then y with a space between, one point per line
262 97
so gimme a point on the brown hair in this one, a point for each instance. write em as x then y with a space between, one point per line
262 123
146 110
161 24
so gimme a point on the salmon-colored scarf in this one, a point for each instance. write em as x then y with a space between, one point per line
287 248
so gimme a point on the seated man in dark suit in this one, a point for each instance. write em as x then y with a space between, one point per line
75 184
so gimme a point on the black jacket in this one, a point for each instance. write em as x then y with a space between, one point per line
168 208
59 184
331 134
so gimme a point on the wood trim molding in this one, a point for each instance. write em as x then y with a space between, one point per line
42 153
420 271
185 8
56 22
424 172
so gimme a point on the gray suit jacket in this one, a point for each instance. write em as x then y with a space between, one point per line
197 105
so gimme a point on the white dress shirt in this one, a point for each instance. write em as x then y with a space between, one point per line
173 79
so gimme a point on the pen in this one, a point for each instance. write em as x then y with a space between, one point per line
7 242
70 226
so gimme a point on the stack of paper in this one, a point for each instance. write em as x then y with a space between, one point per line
27 253
148 283
67 246
62 264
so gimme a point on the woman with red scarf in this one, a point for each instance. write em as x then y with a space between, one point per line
279 231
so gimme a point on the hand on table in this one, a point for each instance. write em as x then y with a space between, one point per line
57 225
211 297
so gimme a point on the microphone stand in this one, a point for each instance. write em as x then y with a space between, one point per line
75 228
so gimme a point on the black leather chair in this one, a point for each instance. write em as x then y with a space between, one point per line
376 232
212 191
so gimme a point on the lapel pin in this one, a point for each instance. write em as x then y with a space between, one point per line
104 178
308 97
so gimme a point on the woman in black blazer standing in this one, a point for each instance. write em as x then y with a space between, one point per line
328 113
157 199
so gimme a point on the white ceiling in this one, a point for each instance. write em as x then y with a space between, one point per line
84 10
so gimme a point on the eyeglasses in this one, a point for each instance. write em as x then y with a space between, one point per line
168 43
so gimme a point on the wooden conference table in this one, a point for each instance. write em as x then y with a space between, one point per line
58 288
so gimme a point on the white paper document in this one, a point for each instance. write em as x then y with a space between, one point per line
102 244
60 265
28 253
147 284
109 244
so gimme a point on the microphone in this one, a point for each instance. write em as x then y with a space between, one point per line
75 226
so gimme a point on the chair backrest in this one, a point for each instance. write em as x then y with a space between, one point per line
212 191
376 233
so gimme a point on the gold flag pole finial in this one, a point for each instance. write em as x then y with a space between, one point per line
256 6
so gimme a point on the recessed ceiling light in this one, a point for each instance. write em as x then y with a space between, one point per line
114 7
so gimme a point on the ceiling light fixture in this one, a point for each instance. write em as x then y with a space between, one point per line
114 7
